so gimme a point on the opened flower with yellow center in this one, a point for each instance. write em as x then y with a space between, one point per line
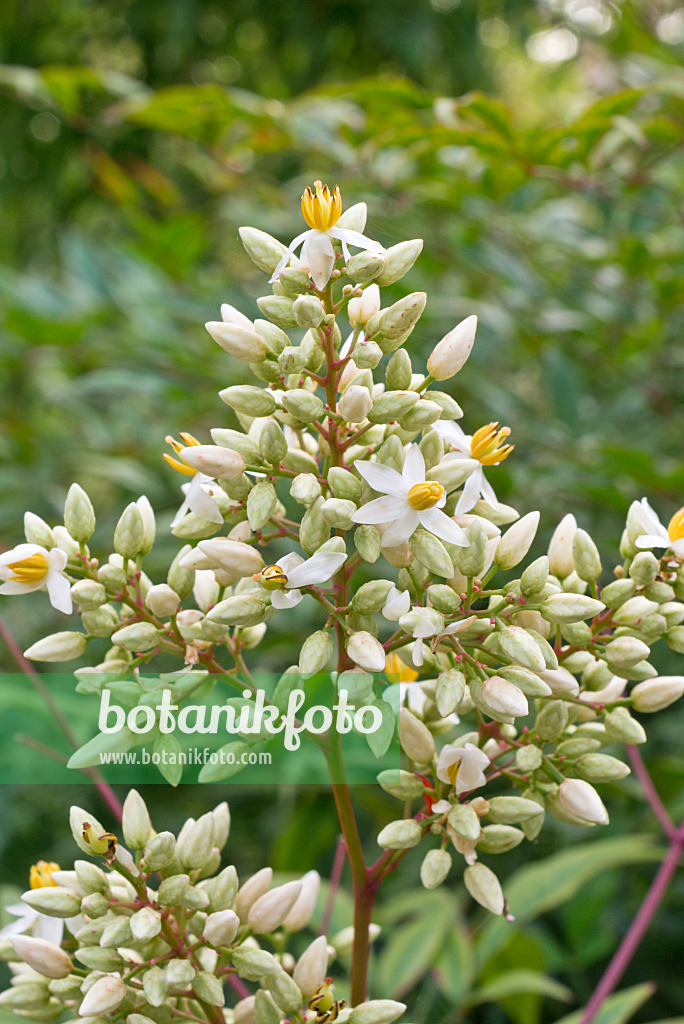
410 501
30 567
29 920
284 578
656 535
462 767
487 446
201 488
322 210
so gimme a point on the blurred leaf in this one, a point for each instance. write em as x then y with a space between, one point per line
411 949
617 1009
518 983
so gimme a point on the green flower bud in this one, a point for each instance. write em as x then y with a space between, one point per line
528 758
376 1011
79 515
421 415
285 991
465 822
101 622
450 691
634 610
530 684
392 405
253 964
265 1009
370 597
312 348
622 728
586 557
431 553
91 878
179 579
367 355
209 989
675 639
615 594
444 598
521 648
451 473
88 594
313 531
305 489
173 889
398 260
338 513
400 835
510 810
136 823
626 651
316 652
435 868
432 448
93 906
600 768
179 974
660 592
365 266
562 608
129 532
140 636
643 569
401 784
293 281
262 248
160 851
308 311
37 531
303 405
398 319
272 443
261 504
577 633
367 543
552 720
399 371
155 986
533 579
58 647
239 610
279 310
249 399
344 484
484 887
292 359
391 454
53 900
470 561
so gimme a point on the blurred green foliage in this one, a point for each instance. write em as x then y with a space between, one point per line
537 148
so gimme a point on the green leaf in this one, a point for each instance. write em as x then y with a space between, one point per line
172 768
411 950
455 965
519 982
216 771
618 1008
380 740
114 743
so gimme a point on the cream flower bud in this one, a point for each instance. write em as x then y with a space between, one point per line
377 1011
253 964
249 399
149 524
503 697
484 886
104 997
401 784
308 311
366 652
137 826
250 892
262 249
58 647
155 986
265 1009
145 924
130 531
338 513
270 910
399 259
209 989
284 990
365 266
244 1011
79 516
416 740
561 562
632 611
516 541
579 799
395 321
316 652
656 694
88 594
517 643
311 968
37 531
620 726
585 557
361 309
239 341
179 973
160 851
195 843
221 927
302 911
509 810
305 489
44 957
400 835
162 600
568 608
214 460
450 354
232 555
367 355
435 868
625 651
355 403
140 636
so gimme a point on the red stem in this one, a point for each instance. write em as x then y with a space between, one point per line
335 878
657 805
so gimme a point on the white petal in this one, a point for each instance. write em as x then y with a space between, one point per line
417 653
397 604
21 588
652 541
452 432
319 255
403 527
414 466
317 569
49 928
201 503
287 256
383 510
650 519
355 238
448 755
383 478
21 552
180 514
486 490
471 491
289 562
434 520
286 598
59 592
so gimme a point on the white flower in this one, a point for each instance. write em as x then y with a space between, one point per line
451 629
413 696
421 623
485 447
658 536
462 766
322 211
40 926
396 604
30 567
198 493
291 572
410 501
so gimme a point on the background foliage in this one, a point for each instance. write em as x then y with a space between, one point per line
537 147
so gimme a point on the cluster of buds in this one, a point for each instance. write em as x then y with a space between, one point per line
347 481
160 932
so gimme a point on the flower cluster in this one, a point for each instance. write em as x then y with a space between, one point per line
347 481
160 932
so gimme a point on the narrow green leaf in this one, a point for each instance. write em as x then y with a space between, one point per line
618 1008
519 982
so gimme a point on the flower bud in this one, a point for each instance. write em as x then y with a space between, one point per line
304 406
308 311
600 768
145 924
535 576
209 989
484 887
585 556
400 835
626 651
656 694
401 784
44 957
311 968
443 598
449 355
632 611
262 248
264 1010
517 643
162 600
552 720
253 964
129 532
155 986
431 553
313 530
399 318
179 973
284 990
221 927
88 594
91 879
465 822
561 562
367 355
232 555
104 997
305 488
579 799
501 838
516 542
504 697
398 260
361 309
392 405
58 647
355 404
214 460
79 515
365 266
140 636
416 740
449 692
528 758
510 810
270 910
562 608
435 868
399 372
367 543
316 652
422 415
376 1011
338 513
136 823
195 842
160 851
261 504
249 399
37 531
471 560
172 889
366 652
240 341
279 310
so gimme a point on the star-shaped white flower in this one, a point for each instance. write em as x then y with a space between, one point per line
421 623
485 447
199 499
289 573
30 567
397 603
410 501
462 767
658 536
322 211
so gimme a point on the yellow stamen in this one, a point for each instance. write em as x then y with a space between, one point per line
40 875
104 844
426 495
321 210
29 570
486 442
452 772
675 528
186 441
271 577
398 671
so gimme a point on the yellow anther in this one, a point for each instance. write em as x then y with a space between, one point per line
398 671
426 495
40 875
29 569
322 209
186 441
104 844
271 577
675 528
486 444
452 772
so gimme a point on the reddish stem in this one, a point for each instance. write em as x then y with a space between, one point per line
651 792
335 878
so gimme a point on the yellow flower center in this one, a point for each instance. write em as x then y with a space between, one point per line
452 772
426 495
675 528
271 578
321 209
486 442
29 569
40 876
104 844
398 670
179 464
